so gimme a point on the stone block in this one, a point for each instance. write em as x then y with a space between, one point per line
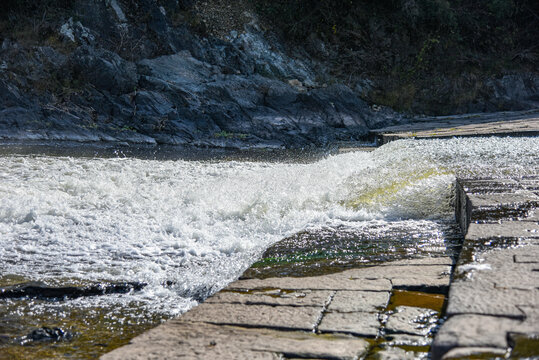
526 259
521 197
489 186
515 275
339 281
474 297
311 346
509 229
438 260
358 301
423 283
474 352
357 323
476 331
273 297
278 317
412 320
396 353
407 340
531 322
410 277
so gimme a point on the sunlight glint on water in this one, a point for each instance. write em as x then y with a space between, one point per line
198 225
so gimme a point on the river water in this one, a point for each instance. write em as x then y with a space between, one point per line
186 228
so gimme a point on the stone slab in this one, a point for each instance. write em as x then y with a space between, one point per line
357 323
474 353
476 331
416 272
526 259
396 353
496 291
532 185
399 339
273 297
520 197
501 261
340 281
531 321
496 284
358 301
480 125
177 339
411 320
471 297
503 229
393 272
422 283
411 276
277 317
432 260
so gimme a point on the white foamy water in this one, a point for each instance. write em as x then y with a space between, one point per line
198 225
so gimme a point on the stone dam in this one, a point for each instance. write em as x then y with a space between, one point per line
478 299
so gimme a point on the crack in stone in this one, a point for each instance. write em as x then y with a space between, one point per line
323 311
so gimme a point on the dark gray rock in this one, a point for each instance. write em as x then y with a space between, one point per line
42 291
46 334
104 69
514 92
137 76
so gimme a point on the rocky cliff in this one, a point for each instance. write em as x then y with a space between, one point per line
173 72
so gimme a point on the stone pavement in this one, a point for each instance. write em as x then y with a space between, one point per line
521 123
343 315
493 308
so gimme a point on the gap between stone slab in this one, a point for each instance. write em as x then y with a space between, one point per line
246 326
323 311
498 316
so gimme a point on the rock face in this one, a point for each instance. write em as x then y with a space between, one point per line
139 74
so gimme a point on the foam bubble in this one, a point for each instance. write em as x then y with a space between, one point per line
197 225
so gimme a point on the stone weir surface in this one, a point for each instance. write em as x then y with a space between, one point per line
335 316
392 310
493 308
515 123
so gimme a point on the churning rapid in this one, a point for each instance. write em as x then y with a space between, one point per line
187 228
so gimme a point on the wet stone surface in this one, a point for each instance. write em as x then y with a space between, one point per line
329 250
345 315
411 320
48 334
42 291
495 292
513 124
33 328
